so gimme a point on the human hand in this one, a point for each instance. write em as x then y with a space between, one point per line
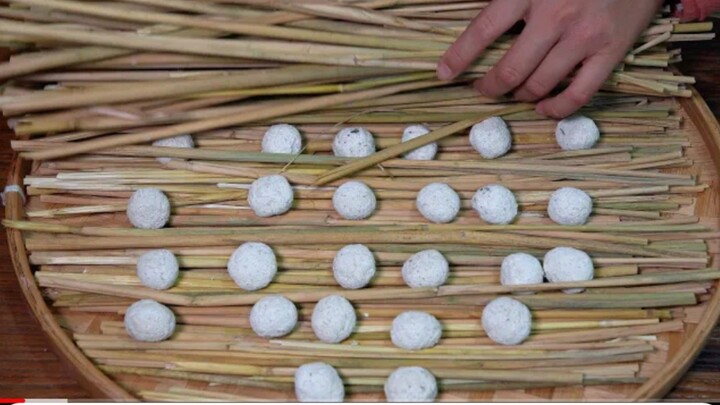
558 36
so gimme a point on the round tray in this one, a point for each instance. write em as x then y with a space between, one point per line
683 346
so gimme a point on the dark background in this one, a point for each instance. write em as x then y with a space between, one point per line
29 369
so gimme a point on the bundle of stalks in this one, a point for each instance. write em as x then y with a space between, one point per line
91 84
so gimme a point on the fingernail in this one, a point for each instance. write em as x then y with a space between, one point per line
444 72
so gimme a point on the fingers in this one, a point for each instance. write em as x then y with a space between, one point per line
490 24
588 81
531 47
557 65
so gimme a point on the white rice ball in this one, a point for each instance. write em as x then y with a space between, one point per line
354 200
507 321
252 266
569 206
158 269
495 204
491 138
411 384
415 330
438 203
425 269
149 321
564 264
519 269
282 138
426 152
270 196
148 208
180 141
354 266
353 143
333 319
273 316
577 132
318 382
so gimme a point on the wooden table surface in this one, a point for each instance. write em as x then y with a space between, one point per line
29 369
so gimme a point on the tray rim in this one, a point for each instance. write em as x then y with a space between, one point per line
95 381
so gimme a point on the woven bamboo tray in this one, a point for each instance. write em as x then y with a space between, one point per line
673 348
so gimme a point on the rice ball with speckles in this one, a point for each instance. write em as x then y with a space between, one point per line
577 132
507 321
318 382
566 264
414 330
491 138
282 138
252 266
426 152
333 319
569 206
354 200
428 268
353 143
158 269
495 204
438 203
273 316
411 384
148 208
149 321
354 266
180 141
520 269
270 196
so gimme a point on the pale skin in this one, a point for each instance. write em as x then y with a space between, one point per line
584 39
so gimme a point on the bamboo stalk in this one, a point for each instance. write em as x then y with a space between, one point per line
225 121
349 13
385 293
327 54
268 31
182 86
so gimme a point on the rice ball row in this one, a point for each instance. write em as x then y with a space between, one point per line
149 208
560 265
491 138
505 320
333 320
497 205
253 265
320 382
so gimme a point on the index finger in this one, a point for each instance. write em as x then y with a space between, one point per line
488 26
587 82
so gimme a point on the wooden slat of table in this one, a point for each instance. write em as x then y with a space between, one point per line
31 370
